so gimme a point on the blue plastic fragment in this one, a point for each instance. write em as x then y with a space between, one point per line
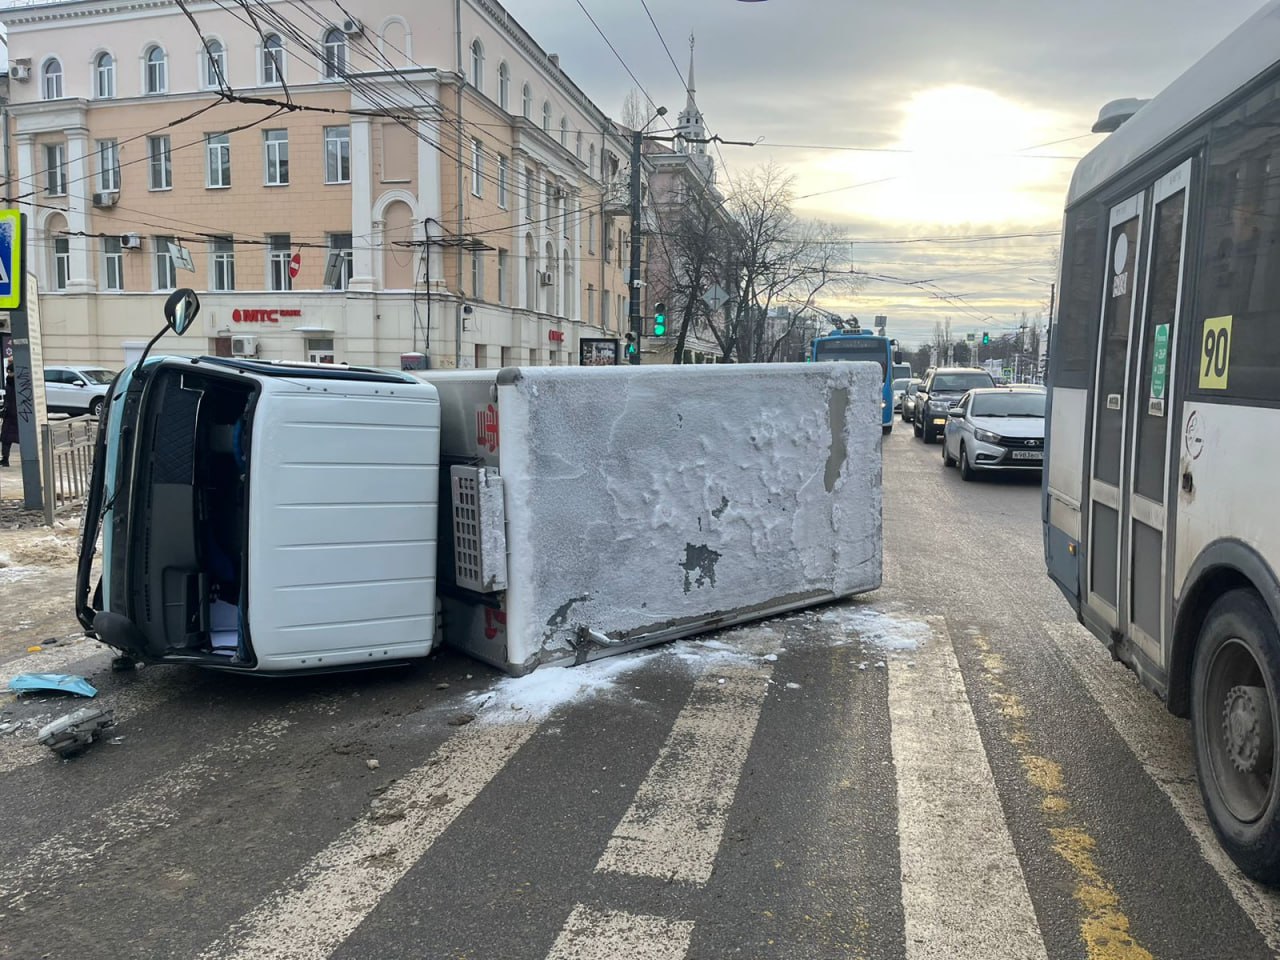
54 682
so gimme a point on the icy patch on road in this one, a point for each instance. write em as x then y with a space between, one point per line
536 695
881 630
9 574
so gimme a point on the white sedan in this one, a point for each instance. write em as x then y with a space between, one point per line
997 428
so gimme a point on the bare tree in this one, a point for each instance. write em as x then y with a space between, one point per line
637 111
691 243
942 340
771 258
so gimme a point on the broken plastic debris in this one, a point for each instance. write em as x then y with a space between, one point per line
70 734
372 764
771 657
793 686
34 649
54 682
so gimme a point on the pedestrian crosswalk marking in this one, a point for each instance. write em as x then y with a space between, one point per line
1162 746
327 899
616 935
964 896
674 826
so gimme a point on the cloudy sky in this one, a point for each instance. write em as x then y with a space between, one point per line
926 121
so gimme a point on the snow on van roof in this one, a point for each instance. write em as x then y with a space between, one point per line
1243 55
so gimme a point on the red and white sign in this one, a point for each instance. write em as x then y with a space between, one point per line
263 316
295 264
556 336
487 428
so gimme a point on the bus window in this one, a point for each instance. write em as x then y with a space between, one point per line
855 349
1072 351
1240 271
1122 258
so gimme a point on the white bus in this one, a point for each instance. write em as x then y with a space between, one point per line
1160 515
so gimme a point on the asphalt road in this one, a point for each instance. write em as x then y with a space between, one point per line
948 769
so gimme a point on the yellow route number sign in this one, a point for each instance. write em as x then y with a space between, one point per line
11 266
1215 353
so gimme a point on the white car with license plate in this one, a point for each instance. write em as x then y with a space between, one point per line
995 429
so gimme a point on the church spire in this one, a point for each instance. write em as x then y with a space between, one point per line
690 106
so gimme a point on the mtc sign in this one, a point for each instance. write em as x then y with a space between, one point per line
263 316
556 336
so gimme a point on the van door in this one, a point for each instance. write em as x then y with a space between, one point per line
1150 400
1119 298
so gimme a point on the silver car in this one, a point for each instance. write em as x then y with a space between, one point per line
995 428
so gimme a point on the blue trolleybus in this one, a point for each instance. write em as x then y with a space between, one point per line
867 347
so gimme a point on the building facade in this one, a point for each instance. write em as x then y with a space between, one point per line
402 179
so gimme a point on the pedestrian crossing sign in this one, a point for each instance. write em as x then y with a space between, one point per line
11 244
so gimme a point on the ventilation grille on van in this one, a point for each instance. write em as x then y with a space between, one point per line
479 530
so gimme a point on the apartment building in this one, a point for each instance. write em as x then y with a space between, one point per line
353 182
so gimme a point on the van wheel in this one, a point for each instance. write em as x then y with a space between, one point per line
1234 683
887 429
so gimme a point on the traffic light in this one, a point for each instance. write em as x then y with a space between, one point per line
660 319
631 345
986 337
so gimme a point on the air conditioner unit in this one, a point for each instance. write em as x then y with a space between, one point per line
20 70
106 198
130 241
352 27
244 346
546 278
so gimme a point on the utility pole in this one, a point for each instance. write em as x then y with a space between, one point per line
637 322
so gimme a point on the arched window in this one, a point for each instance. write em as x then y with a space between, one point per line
335 54
526 107
591 160
564 131
215 64
272 59
477 65
546 117
53 79
504 86
104 76
157 78
577 146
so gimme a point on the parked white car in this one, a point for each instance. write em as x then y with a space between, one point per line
998 428
76 389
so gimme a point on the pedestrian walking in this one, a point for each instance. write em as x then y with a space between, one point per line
9 423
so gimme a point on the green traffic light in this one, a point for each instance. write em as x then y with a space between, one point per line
986 337
660 320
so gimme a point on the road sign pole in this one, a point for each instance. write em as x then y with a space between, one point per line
28 362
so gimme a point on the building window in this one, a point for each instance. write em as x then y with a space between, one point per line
504 86
53 79
564 131
166 273
160 164
341 244
577 145
279 255
477 168
104 72
504 172
604 310
272 59
477 65
217 149
591 160
223 274
591 233
276 144
337 155
477 275
320 350
503 274
548 203
55 169
591 303
108 166
215 65
526 102
61 262
157 75
528 194
546 117
112 264
335 54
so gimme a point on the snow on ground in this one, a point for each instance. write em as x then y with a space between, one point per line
885 631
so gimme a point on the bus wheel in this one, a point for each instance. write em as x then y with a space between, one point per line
1234 683
887 429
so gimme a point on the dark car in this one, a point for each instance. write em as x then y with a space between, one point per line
940 392
909 400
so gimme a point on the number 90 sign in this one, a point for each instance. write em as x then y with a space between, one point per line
1215 353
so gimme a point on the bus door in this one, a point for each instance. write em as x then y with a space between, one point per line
1119 297
1151 402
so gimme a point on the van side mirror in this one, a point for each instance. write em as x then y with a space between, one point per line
180 310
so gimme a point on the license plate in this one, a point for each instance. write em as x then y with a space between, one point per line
1028 454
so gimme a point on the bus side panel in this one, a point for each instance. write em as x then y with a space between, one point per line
1064 485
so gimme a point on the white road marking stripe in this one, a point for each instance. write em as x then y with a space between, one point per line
674 826
155 806
964 895
329 897
612 934
1162 744
50 660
